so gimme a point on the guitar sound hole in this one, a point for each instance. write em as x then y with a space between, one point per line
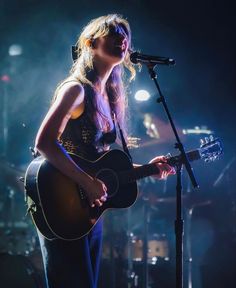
110 179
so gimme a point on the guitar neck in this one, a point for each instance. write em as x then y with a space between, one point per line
151 169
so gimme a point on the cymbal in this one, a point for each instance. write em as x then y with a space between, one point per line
189 200
157 130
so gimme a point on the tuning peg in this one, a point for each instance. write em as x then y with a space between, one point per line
202 142
168 155
211 138
207 140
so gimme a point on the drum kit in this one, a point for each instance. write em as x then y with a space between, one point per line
20 258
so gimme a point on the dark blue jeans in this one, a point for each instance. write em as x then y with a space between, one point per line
72 264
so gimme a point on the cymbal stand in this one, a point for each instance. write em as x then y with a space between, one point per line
146 217
9 218
5 79
5 117
131 276
6 82
11 199
188 218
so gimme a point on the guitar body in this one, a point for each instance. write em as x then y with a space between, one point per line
62 208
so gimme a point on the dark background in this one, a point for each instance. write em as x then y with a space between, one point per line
200 91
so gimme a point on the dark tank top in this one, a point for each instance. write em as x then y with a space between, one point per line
82 137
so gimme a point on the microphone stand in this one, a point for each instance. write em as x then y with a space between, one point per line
179 223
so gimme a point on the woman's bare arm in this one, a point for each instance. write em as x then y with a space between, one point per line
68 99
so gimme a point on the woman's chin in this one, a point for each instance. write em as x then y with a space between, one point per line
118 58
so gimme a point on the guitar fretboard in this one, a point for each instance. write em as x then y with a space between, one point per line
137 173
143 171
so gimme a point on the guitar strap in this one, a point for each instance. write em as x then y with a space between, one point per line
124 144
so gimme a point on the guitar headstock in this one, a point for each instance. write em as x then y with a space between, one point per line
210 149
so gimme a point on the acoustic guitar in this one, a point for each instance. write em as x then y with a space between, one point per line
59 207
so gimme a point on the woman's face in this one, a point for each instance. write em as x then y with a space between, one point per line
113 47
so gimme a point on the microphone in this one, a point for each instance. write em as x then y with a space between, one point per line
137 57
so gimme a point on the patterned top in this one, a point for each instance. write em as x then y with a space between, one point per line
82 137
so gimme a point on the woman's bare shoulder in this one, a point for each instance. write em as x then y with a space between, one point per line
70 94
71 91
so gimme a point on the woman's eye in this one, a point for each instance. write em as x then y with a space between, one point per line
115 31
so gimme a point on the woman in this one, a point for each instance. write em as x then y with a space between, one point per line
82 119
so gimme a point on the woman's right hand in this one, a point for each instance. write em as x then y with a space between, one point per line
96 192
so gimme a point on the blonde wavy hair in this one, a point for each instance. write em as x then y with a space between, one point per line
83 70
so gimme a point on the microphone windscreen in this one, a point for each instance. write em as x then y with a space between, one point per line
133 57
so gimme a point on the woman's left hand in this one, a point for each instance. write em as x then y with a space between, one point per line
165 169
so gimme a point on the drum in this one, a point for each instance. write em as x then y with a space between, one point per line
157 248
18 271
